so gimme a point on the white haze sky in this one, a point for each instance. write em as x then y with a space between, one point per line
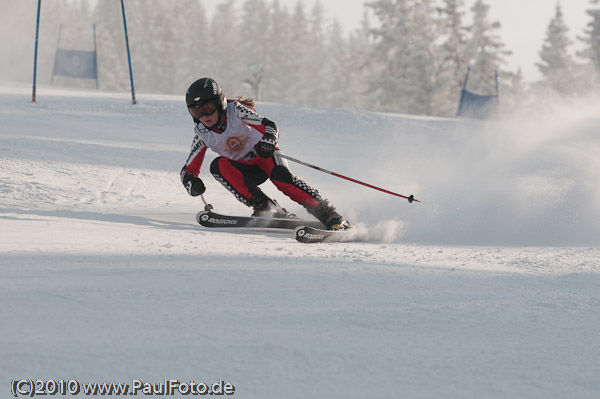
524 23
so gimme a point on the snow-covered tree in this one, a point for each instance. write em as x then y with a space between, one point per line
591 40
277 61
515 93
343 78
486 51
253 61
453 54
223 46
317 58
113 73
389 56
153 44
14 53
411 59
405 58
358 70
189 32
334 73
424 70
297 88
557 66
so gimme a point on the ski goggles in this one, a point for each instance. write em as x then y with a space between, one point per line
199 110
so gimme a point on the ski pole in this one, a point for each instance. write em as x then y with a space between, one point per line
207 206
410 198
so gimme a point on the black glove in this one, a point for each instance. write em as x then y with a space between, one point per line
266 146
193 185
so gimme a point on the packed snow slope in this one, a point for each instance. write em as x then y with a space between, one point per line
531 179
488 288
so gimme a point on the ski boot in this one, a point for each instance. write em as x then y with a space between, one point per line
327 215
268 208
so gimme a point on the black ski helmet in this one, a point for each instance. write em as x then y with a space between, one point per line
206 90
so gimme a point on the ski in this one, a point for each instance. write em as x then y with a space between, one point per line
212 219
309 235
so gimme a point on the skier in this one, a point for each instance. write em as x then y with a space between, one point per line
247 145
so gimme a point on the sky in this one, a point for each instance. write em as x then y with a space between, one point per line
524 23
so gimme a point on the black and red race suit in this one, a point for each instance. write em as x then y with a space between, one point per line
238 167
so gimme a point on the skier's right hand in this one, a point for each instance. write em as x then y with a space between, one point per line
193 185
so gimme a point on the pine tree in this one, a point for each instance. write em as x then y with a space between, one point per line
406 61
288 70
296 88
334 75
14 53
252 32
189 31
316 59
423 72
591 40
453 53
278 45
113 71
388 59
223 47
153 44
344 80
357 60
557 66
485 51
516 94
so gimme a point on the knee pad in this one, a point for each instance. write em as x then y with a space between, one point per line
214 167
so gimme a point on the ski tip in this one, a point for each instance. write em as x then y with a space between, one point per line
202 215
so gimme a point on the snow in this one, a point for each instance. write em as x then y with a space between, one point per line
488 288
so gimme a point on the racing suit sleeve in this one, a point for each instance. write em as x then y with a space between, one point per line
251 118
195 159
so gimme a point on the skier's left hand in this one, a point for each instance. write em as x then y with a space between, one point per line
266 146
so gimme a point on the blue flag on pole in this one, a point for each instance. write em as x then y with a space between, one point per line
477 106
76 64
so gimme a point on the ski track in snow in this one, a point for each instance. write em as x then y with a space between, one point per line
489 288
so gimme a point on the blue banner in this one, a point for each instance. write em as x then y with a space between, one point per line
76 64
477 106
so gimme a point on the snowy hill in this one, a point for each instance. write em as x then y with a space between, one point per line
488 288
